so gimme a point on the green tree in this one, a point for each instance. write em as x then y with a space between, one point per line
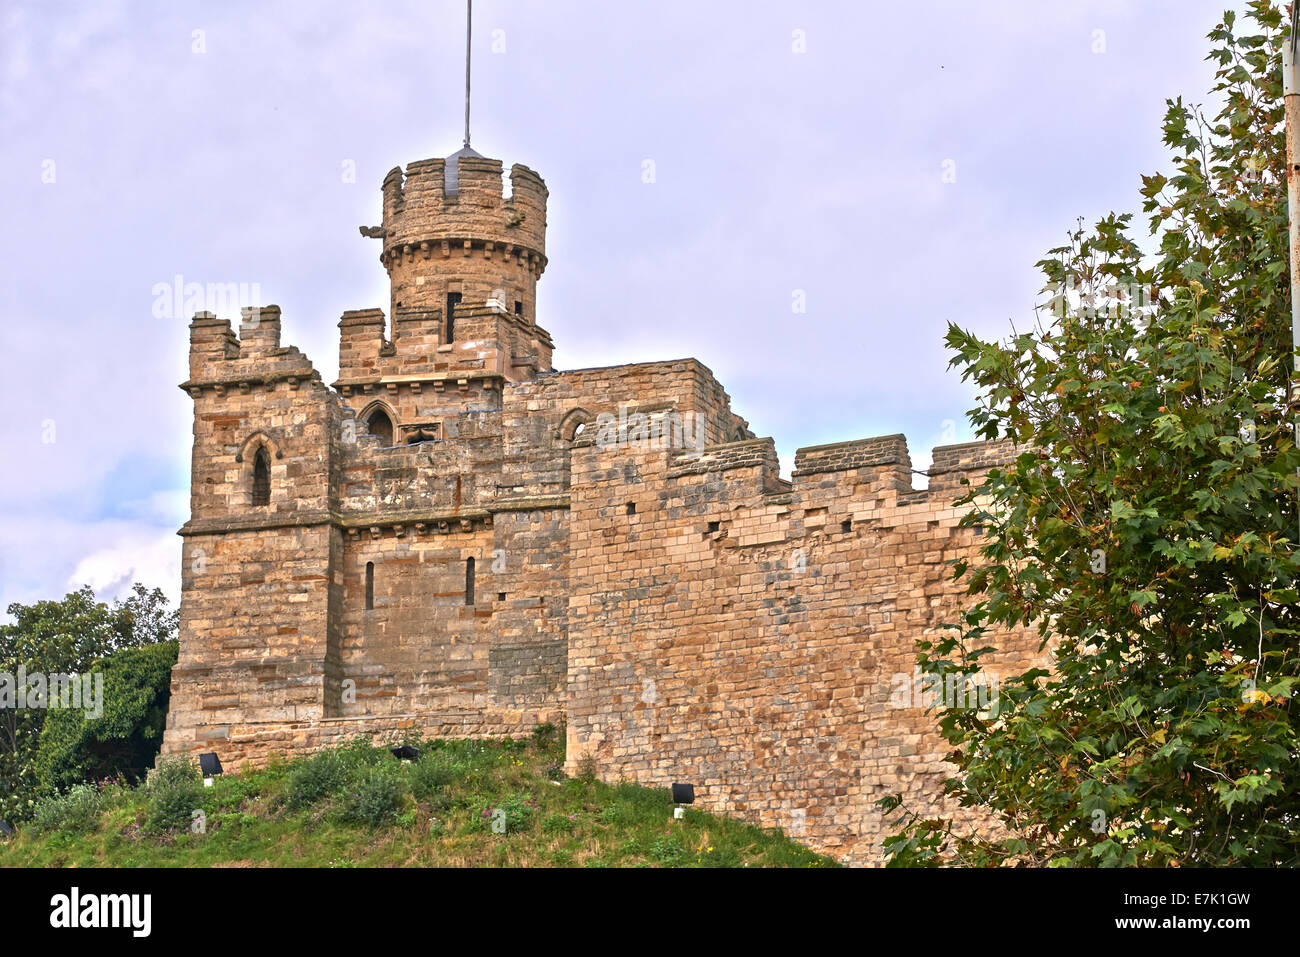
64 637
125 738
1147 527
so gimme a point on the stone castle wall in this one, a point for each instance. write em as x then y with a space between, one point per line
610 547
744 634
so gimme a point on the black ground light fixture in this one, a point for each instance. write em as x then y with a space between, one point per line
405 752
682 794
210 766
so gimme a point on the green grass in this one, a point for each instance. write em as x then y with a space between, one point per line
357 806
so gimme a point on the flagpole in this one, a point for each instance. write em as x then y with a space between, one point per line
469 23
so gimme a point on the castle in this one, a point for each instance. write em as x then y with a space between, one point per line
455 538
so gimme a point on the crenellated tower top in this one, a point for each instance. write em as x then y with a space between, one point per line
448 228
463 260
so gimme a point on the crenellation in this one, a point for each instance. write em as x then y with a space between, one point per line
952 463
212 342
259 332
456 539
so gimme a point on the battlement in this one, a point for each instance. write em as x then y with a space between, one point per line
464 538
463 262
220 358
438 206
952 463
825 476
747 454
884 450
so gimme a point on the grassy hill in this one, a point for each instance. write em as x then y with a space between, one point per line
358 806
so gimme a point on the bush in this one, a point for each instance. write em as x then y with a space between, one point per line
544 735
78 810
514 811
358 754
558 824
666 850
430 775
125 737
317 777
175 792
374 800
65 637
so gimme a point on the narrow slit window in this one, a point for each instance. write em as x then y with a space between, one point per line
453 300
519 307
469 581
370 586
262 477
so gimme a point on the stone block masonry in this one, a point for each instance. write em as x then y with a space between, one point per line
455 539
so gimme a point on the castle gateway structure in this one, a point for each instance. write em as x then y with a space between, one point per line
455 539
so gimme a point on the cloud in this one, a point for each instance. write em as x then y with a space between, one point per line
134 555
777 171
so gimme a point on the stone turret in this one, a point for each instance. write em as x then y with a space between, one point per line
463 262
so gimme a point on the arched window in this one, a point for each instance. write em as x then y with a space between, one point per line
572 424
262 477
379 424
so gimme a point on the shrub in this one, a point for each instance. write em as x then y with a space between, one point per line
78 810
430 775
374 800
64 637
557 824
358 754
666 850
515 811
125 737
544 735
175 792
318 776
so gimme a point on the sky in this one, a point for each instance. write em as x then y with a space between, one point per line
801 195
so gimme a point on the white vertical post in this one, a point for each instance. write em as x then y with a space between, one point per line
1291 97
469 25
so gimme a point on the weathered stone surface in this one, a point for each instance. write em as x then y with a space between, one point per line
610 547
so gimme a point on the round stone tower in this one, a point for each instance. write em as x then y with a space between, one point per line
455 245
463 262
